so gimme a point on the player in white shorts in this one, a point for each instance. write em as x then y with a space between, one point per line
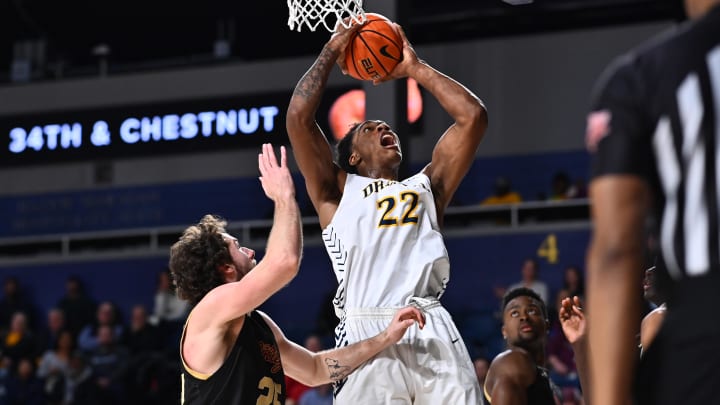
383 235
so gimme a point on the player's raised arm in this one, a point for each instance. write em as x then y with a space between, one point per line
282 257
455 151
314 156
574 326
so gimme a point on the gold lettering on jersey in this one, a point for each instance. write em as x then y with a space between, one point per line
376 186
409 211
271 355
271 392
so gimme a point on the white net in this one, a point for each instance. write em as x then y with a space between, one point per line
329 13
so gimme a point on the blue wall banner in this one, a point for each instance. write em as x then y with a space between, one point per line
132 207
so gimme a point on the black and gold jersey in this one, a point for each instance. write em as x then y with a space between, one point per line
251 374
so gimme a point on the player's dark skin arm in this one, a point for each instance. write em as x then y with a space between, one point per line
508 377
311 149
455 150
581 363
574 326
620 203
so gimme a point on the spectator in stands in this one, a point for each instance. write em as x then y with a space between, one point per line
19 342
502 193
169 312
578 189
107 315
5 379
573 284
108 360
142 336
25 388
320 395
14 301
79 384
529 280
49 334
144 342
294 388
55 365
560 186
79 309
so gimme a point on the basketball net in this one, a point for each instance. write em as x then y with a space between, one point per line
326 12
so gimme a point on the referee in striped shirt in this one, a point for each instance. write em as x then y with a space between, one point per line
654 135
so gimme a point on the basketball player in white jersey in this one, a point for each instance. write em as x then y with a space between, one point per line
383 234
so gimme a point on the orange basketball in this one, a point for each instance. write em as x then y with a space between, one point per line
374 50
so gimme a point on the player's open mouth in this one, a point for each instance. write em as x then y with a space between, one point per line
526 328
388 141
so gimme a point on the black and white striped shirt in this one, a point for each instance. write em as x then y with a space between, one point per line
656 114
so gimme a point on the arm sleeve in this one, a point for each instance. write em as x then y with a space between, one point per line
619 128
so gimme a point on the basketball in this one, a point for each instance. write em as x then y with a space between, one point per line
374 50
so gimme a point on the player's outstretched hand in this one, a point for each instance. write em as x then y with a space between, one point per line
339 42
572 319
403 319
275 178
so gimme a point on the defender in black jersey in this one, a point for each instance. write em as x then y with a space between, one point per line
252 370
518 375
654 131
231 353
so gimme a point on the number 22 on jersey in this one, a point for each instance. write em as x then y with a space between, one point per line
407 212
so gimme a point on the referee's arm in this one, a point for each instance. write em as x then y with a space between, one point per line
619 207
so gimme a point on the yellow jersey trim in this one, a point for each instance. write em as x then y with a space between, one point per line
196 374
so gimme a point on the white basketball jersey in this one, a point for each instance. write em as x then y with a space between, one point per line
385 244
